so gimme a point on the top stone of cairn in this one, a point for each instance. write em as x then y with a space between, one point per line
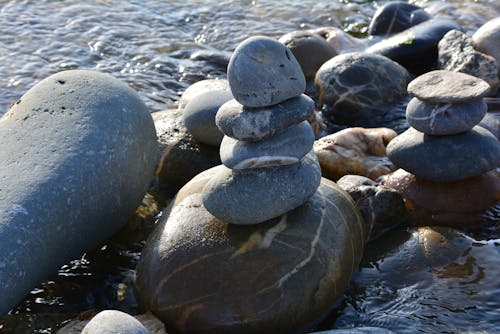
448 87
264 72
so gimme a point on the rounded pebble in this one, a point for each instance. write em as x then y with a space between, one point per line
396 16
114 322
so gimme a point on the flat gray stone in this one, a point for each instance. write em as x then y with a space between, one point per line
255 195
445 158
264 72
200 87
114 322
448 87
248 124
445 118
199 116
78 154
285 148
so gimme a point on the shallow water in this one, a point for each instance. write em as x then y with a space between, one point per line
148 44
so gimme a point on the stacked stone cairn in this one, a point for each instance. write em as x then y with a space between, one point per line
444 146
267 147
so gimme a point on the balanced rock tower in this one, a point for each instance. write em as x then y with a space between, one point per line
261 243
448 161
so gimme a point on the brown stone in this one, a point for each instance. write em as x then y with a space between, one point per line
201 275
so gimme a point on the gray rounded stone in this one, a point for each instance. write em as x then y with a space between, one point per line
445 118
203 275
285 148
252 196
249 124
491 122
264 72
78 154
114 322
445 158
486 39
448 87
200 87
199 116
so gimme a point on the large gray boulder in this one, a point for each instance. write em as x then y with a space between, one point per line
78 153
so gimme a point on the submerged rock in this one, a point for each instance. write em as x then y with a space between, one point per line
78 154
200 274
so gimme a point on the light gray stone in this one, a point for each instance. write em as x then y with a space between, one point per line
264 72
199 116
448 87
255 195
487 39
248 124
200 87
445 158
78 154
285 148
444 118
114 322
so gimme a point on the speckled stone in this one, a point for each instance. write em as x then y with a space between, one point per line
396 16
357 81
445 158
203 275
114 322
445 118
487 39
310 50
199 116
285 148
252 196
264 72
77 157
249 124
200 87
448 87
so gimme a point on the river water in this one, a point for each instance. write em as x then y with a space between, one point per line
150 45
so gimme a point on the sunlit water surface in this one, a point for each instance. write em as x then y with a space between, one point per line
149 45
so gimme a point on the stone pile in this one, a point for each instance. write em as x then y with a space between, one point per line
267 147
444 145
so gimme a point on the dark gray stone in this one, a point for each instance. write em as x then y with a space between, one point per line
255 195
396 16
114 322
264 72
310 50
248 124
448 87
200 87
491 122
353 82
444 118
203 275
285 148
457 54
199 116
78 154
445 158
416 47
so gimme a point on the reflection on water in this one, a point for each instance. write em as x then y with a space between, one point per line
148 44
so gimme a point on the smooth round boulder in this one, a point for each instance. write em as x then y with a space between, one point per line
472 195
248 124
415 48
285 148
445 158
445 118
263 72
78 155
356 81
448 87
487 39
200 274
310 50
251 196
396 16
114 322
200 87
199 116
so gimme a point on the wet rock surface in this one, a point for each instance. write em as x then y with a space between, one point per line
396 16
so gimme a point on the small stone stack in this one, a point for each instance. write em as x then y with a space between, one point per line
444 147
267 147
